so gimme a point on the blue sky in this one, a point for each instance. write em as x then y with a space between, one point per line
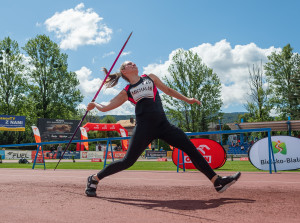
228 35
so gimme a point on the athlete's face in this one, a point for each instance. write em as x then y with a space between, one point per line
129 68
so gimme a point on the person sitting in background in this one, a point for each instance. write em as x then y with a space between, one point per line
52 152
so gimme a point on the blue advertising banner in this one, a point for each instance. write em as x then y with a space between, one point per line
2 154
154 154
70 154
12 123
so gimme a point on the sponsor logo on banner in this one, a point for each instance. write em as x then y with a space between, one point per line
212 151
286 151
12 154
201 149
12 123
279 147
117 155
154 154
91 154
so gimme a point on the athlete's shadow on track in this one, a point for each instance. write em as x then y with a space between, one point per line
178 204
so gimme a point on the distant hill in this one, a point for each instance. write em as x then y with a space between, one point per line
119 117
231 117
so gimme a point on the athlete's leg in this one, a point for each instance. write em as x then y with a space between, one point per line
139 141
177 138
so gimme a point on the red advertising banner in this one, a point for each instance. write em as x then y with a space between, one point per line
212 151
47 155
96 160
117 155
109 127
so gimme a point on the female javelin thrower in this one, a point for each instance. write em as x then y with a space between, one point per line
151 123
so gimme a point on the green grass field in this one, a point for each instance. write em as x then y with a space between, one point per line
140 165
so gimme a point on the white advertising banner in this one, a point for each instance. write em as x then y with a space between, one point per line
91 154
17 154
286 151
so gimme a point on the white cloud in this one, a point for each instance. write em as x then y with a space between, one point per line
108 54
77 27
230 63
161 69
125 53
125 109
89 86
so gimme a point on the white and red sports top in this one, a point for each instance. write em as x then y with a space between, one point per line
144 96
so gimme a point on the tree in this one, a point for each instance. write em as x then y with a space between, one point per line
53 89
12 79
192 78
13 90
109 119
282 73
258 104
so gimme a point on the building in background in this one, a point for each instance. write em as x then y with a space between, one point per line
128 124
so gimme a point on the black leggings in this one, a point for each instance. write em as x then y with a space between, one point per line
148 128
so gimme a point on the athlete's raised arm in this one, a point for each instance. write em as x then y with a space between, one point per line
114 103
171 92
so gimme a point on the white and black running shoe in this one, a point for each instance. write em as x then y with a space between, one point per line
222 183
91 187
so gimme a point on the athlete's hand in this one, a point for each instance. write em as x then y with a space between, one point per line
91 106
193 101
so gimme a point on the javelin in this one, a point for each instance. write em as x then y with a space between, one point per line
94 99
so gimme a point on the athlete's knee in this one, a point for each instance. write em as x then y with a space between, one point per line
126 163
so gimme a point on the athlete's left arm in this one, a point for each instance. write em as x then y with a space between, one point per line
171 92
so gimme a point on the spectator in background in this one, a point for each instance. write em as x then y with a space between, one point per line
52 151
119 148
59 150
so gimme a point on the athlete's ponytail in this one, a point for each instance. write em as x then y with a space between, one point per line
113 79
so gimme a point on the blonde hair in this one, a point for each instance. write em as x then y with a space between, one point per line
113 79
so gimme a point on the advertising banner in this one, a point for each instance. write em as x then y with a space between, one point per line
70 154
36 133
47 155
212 151
91 154
84 136
117 155
17 154
154 154
286 151
109 127
2 154
12 123
58 129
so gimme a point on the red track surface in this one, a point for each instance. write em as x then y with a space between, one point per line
146 196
